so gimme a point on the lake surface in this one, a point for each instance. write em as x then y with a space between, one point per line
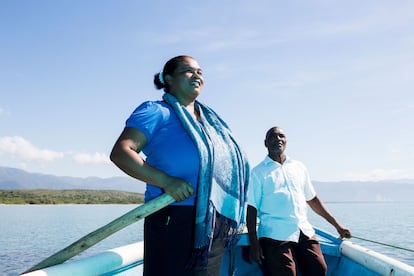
31 233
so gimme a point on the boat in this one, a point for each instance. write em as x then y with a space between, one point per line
343 258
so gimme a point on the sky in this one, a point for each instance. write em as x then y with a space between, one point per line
337 76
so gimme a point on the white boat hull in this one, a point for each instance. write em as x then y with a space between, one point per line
343 258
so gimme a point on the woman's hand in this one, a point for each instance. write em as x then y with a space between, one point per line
177 188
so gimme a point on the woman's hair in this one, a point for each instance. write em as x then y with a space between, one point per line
169 68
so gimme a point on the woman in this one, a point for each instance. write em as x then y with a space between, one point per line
191 155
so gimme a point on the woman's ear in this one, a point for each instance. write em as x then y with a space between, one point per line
168 79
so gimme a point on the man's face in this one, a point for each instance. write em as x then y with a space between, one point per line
275 141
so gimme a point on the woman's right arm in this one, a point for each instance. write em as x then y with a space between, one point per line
125 155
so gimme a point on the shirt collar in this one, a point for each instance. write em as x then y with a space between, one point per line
269 160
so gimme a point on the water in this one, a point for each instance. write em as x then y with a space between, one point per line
385 222
31 233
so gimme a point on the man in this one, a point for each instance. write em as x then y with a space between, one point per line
278 192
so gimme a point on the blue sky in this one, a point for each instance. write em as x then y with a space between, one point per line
336 75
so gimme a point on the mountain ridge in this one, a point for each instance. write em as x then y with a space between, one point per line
17 179
338 191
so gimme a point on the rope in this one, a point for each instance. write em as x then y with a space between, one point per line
389 245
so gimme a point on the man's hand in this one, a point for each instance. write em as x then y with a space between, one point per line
344 232
256 253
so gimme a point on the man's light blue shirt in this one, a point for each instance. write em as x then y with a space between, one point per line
279 193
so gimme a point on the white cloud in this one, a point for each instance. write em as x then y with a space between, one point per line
19 147
97 158
23 151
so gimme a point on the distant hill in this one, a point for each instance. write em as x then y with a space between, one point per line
69 197
395 190
16 179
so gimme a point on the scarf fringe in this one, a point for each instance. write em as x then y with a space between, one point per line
225 230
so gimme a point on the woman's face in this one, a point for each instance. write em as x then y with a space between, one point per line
187 81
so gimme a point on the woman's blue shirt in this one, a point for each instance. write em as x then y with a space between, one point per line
169 147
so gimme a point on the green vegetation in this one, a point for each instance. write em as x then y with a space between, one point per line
69 197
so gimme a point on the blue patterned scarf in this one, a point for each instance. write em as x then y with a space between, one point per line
223 176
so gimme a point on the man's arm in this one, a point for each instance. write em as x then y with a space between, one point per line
255 249
318 207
